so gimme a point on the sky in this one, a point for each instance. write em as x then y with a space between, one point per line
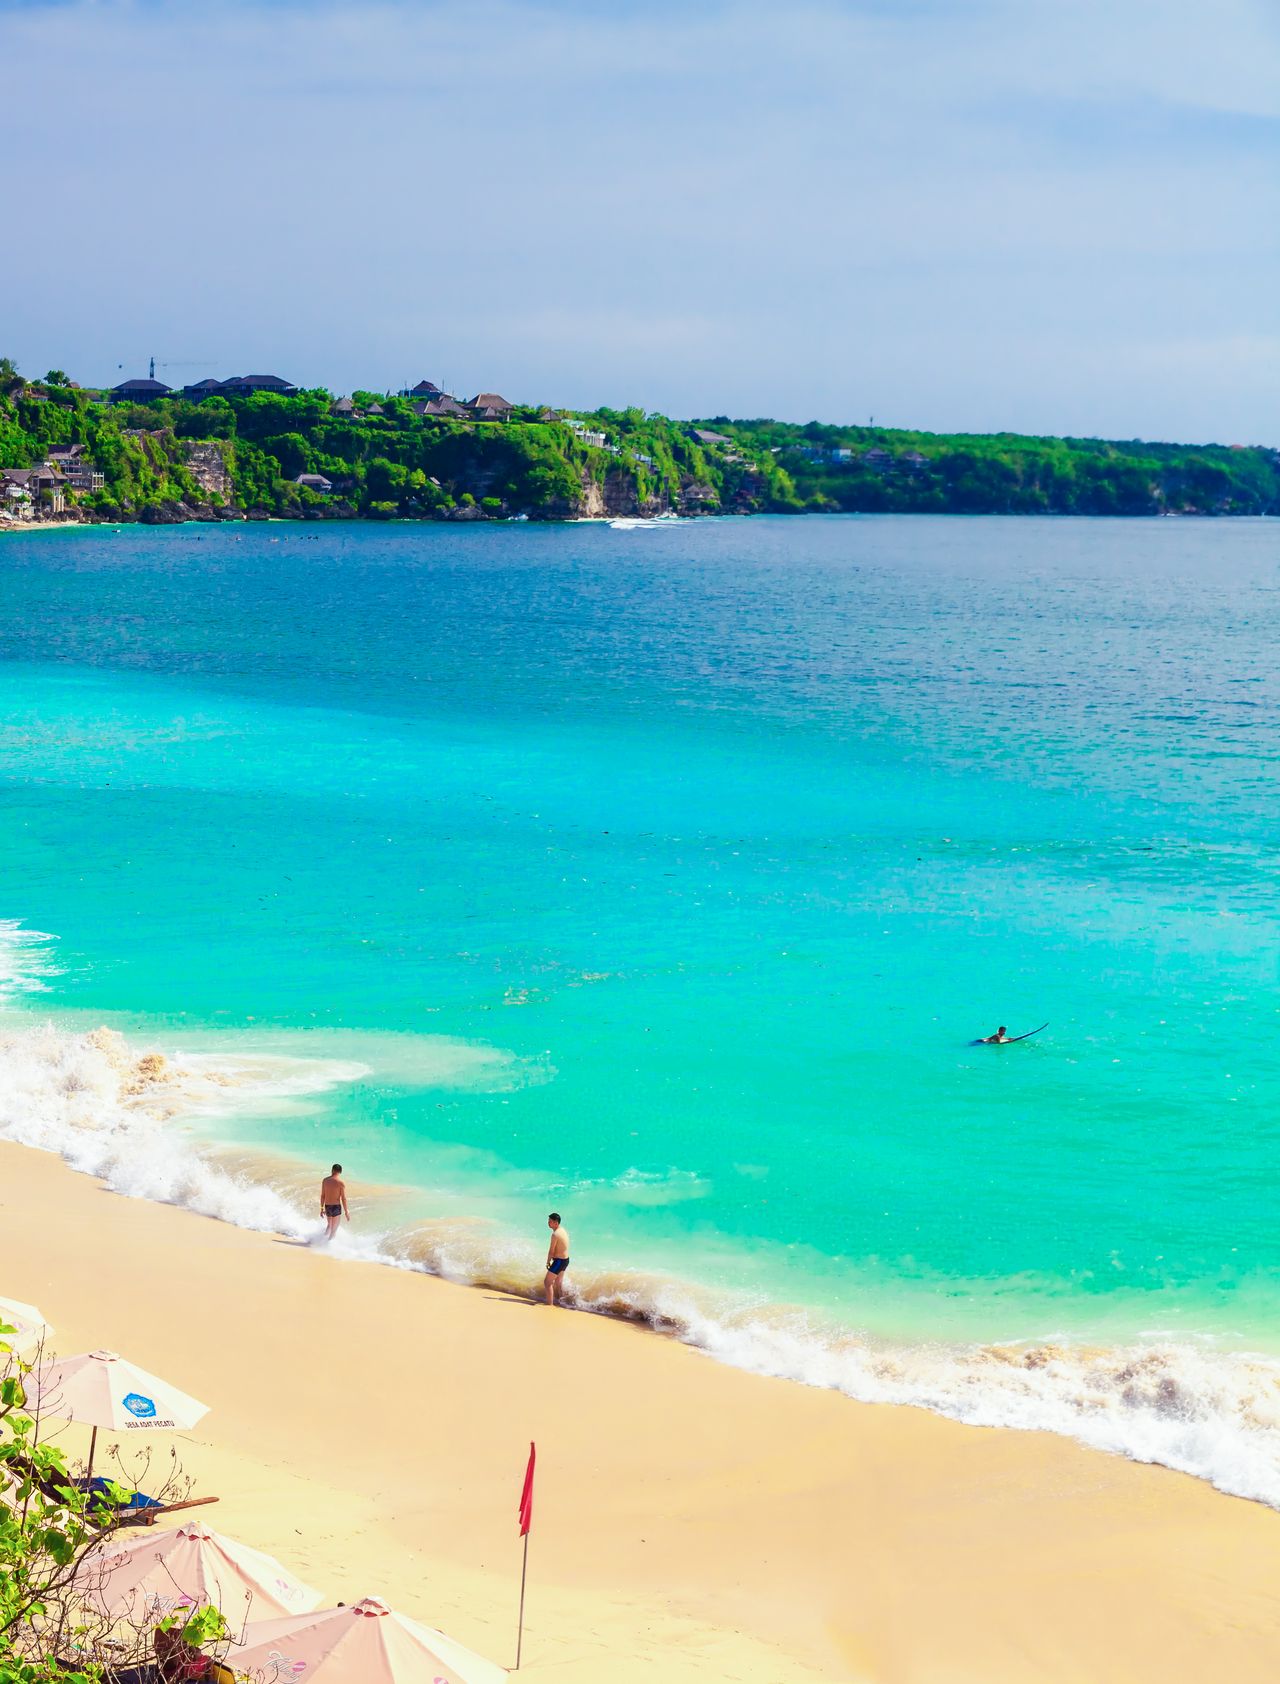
1037 215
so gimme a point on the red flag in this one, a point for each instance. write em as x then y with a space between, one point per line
526 1496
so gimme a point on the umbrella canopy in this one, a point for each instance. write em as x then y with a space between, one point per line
364 1644
101 1389
147 1577
29 1325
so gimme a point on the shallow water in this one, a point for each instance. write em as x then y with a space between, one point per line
664 876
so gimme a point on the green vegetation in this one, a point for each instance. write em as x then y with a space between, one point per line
869 469
48 1633
381 458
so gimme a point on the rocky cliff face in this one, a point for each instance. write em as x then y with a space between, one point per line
615 495
207 463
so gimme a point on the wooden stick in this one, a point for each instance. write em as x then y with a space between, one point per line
524 1569
148 1517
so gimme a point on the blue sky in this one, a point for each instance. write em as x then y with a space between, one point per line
1045 215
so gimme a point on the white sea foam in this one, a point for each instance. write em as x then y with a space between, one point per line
119 1112
26 959
116 1112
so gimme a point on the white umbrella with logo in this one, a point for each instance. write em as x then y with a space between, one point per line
101 1389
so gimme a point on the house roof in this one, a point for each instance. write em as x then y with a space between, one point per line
313 479
65 452
375 409
704 437
151 388
241 383
342 406
440 406
489 400
425 389
28 476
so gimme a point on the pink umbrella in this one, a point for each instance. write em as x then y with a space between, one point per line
363 1644
146 1578
28 1325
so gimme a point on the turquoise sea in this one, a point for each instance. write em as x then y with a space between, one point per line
664 875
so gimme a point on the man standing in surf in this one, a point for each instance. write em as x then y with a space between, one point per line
333 1201
557 1259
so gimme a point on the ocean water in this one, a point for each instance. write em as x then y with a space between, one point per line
664 875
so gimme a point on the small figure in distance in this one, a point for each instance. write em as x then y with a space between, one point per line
557 1259
1001 1034
333 1201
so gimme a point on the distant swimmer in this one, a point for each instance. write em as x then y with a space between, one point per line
333 1201
1002 1037
557 1259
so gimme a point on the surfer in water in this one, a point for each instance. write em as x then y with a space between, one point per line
1002 1037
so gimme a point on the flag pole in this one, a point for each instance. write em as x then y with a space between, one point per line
524 1569
526 1524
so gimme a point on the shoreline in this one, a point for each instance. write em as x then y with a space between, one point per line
369 1427
119 522
50 525
1148 1397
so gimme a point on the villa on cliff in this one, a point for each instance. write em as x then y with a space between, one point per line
23 488
139 391
490 406
76 468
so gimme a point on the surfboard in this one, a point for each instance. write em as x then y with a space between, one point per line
1009 1039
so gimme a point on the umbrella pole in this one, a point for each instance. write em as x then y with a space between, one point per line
524 1568
93 1445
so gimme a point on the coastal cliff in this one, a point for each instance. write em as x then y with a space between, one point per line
73 454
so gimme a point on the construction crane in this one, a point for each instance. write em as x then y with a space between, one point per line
165 362
183 362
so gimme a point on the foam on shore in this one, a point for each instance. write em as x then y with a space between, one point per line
126 1115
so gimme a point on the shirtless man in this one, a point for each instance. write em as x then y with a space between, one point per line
1001 1034
557 1258
333 1201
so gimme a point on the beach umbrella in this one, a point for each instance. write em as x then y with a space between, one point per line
143 1579
28 1324
101 1389
363 1644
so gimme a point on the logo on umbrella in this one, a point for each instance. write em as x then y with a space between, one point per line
140 1406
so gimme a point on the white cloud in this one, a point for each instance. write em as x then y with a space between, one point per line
951 206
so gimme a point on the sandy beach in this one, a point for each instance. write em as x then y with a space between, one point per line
370 1427
41 525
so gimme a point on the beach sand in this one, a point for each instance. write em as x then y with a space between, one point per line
371 1426
42 525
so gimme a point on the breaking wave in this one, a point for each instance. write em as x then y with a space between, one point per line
26 958
124 1115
